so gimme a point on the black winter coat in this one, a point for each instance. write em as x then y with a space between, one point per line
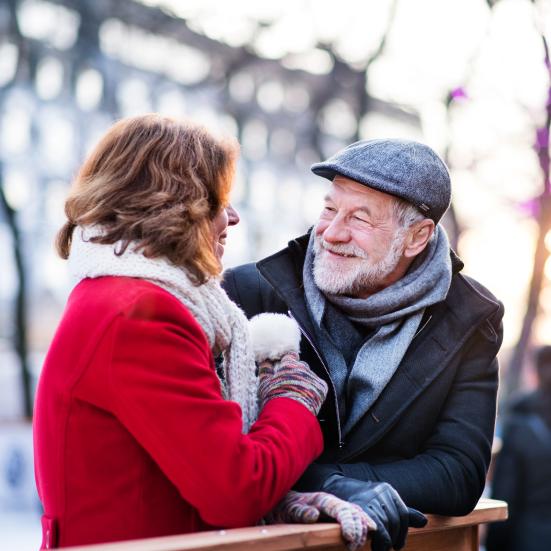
429 433
522 477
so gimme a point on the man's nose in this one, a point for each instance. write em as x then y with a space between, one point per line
337 231
233 216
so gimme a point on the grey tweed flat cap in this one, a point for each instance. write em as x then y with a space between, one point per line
407 169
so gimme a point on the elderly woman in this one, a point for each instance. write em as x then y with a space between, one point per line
136 433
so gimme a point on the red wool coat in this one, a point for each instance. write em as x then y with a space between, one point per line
132 436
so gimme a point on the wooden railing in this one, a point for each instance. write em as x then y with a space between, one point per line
440 534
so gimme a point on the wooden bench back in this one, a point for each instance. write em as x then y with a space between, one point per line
440 534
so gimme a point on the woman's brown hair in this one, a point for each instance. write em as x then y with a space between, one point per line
157 182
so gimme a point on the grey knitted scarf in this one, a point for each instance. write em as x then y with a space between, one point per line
361 368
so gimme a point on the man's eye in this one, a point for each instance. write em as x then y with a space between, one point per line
329 209
360 219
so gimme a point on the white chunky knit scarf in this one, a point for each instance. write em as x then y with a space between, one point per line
224 324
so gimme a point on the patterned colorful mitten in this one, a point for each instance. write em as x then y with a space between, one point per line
307 508
291 378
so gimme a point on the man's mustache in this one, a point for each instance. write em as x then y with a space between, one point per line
347 249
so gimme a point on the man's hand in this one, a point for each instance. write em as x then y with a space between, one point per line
310 507
383 505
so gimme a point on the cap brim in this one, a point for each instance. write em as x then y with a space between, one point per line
321 169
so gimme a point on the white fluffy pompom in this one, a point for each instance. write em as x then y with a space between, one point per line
273 336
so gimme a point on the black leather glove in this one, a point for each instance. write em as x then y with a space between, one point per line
383 504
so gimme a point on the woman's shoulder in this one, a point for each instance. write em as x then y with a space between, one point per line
134 309
129 297
116 291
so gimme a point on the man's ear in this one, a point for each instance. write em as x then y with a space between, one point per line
419 235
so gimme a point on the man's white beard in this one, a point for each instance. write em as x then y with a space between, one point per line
356 275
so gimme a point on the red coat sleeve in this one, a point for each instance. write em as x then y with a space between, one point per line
164 389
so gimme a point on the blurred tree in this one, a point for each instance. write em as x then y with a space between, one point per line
20 308
542 215
20 323
455 96
451 219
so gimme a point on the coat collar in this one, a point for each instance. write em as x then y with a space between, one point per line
283 271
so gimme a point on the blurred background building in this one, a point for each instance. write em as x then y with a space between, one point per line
294 80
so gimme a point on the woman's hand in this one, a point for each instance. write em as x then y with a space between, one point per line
310 507
291 378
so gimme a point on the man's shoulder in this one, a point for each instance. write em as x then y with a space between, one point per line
468 286
242 275
242 280
265 285
245 285
468 296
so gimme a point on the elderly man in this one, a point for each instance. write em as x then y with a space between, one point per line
406 342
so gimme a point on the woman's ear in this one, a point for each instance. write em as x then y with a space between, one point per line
418 238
